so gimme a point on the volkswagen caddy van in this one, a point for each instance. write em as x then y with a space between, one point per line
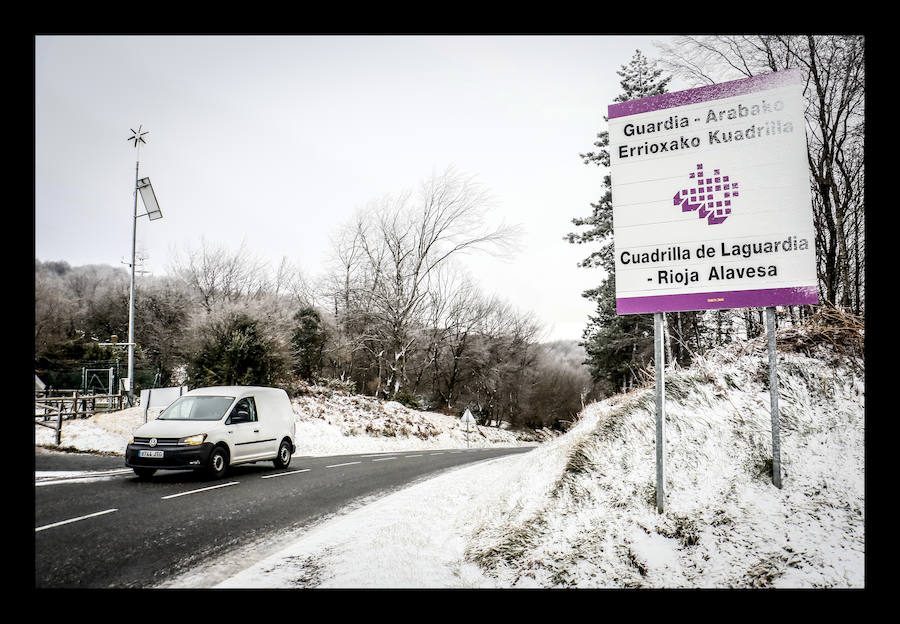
213 428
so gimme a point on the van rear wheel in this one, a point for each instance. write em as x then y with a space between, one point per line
283 459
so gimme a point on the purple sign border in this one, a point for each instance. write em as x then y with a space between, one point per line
706 93
762 298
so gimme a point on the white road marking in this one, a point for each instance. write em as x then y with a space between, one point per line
212 487
54 477
419 455
384 459
282 474
338 465
56 524
437 453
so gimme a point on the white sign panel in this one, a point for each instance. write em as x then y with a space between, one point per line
711 198
161 397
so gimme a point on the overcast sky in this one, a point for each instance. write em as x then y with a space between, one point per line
277 141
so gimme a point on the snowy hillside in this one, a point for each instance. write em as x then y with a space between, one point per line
580 510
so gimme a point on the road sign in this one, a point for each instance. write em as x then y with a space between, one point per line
711 198
468 419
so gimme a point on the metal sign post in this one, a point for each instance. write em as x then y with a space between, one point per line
660 365
773 392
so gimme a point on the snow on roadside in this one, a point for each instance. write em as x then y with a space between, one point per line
410 539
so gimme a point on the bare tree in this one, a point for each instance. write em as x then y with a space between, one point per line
404 240
216 275
53 310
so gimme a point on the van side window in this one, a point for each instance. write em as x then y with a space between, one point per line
247 405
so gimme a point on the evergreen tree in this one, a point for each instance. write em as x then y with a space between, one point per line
616 345
234 352
308 343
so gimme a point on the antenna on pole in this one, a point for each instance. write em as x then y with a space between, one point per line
137 136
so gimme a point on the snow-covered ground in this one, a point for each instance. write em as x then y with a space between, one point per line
580 509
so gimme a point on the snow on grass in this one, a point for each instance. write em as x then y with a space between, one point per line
335 423
586 516
104 432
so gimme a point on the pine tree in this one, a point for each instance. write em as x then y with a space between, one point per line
616 345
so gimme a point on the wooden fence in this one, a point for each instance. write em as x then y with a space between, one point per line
72 404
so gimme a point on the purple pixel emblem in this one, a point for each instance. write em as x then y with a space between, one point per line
711 195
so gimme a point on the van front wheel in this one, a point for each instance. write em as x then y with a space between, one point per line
218 463
283 459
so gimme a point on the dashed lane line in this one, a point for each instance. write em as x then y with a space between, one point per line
284 474
56 524
212 487
339 465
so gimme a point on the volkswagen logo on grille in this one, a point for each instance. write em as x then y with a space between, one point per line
152 441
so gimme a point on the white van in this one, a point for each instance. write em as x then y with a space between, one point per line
213 428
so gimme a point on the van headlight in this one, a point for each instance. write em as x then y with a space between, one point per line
193 440
131 439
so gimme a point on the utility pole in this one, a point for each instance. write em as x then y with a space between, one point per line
152 212
138 137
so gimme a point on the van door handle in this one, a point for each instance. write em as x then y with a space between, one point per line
256 431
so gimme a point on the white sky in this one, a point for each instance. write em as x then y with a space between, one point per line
278 140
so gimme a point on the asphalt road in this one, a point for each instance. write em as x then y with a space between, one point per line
113 530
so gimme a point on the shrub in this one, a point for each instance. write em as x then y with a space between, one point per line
235 352
407 399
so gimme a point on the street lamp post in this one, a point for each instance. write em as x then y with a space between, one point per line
143 187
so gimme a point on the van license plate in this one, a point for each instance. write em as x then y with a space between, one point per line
156 454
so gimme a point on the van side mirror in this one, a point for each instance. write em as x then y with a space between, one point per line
239 416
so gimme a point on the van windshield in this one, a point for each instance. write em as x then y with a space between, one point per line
197 408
